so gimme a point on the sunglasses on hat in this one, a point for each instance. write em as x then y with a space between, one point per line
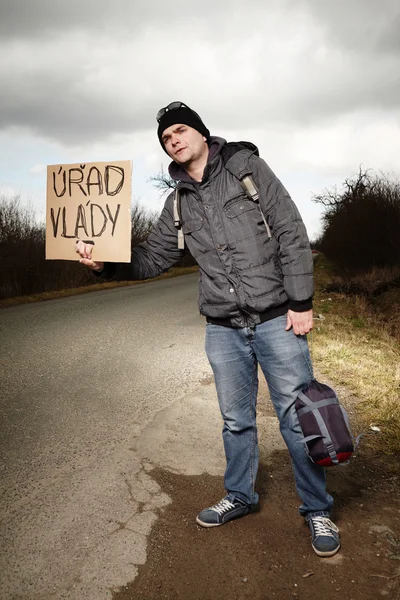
173 106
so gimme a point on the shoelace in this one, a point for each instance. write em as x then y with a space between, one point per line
324 526
223 506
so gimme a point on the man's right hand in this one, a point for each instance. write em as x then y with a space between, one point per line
85 251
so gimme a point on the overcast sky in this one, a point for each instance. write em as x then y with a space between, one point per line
315 84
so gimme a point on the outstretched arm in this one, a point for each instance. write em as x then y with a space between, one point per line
150 258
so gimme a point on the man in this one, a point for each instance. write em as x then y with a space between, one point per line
255 290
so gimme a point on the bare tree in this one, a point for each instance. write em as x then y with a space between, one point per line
163 182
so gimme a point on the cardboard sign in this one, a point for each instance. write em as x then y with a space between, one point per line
90 202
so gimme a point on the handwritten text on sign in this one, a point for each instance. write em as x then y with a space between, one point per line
90 202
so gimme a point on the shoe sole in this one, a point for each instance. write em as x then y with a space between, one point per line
326 554
204 524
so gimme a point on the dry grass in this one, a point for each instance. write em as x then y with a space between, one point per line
376 276
381 289
357 348
174 272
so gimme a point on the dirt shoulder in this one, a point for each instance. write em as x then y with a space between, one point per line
268 554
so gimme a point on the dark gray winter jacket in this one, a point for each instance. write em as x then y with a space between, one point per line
243 272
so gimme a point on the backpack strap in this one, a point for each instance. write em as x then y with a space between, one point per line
249 188
316 405
356 440
177 220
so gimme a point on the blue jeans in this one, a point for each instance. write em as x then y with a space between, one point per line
234 355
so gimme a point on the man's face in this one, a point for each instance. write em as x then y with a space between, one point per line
184 144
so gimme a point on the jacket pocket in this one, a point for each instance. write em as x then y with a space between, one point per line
239 205
197 236
192 225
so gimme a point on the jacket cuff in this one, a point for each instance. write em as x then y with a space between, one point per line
300 305
108 272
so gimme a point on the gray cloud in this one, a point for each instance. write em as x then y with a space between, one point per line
78 71
371 26
366 24
22 19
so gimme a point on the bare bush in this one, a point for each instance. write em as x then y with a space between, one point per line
361 222
21 248
23 267
142 223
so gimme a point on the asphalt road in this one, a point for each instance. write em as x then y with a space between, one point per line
97 390
88 386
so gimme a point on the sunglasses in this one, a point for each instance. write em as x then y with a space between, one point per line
173 106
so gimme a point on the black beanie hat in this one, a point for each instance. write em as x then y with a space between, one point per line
183 115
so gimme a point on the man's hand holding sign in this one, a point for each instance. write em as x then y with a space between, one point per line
84 249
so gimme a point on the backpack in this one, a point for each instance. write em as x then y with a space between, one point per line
327 437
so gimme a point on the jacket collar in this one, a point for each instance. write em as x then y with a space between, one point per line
213 166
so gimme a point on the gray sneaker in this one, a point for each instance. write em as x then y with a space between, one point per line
325 536
226 510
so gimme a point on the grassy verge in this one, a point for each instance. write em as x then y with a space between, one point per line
353 346
174 272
